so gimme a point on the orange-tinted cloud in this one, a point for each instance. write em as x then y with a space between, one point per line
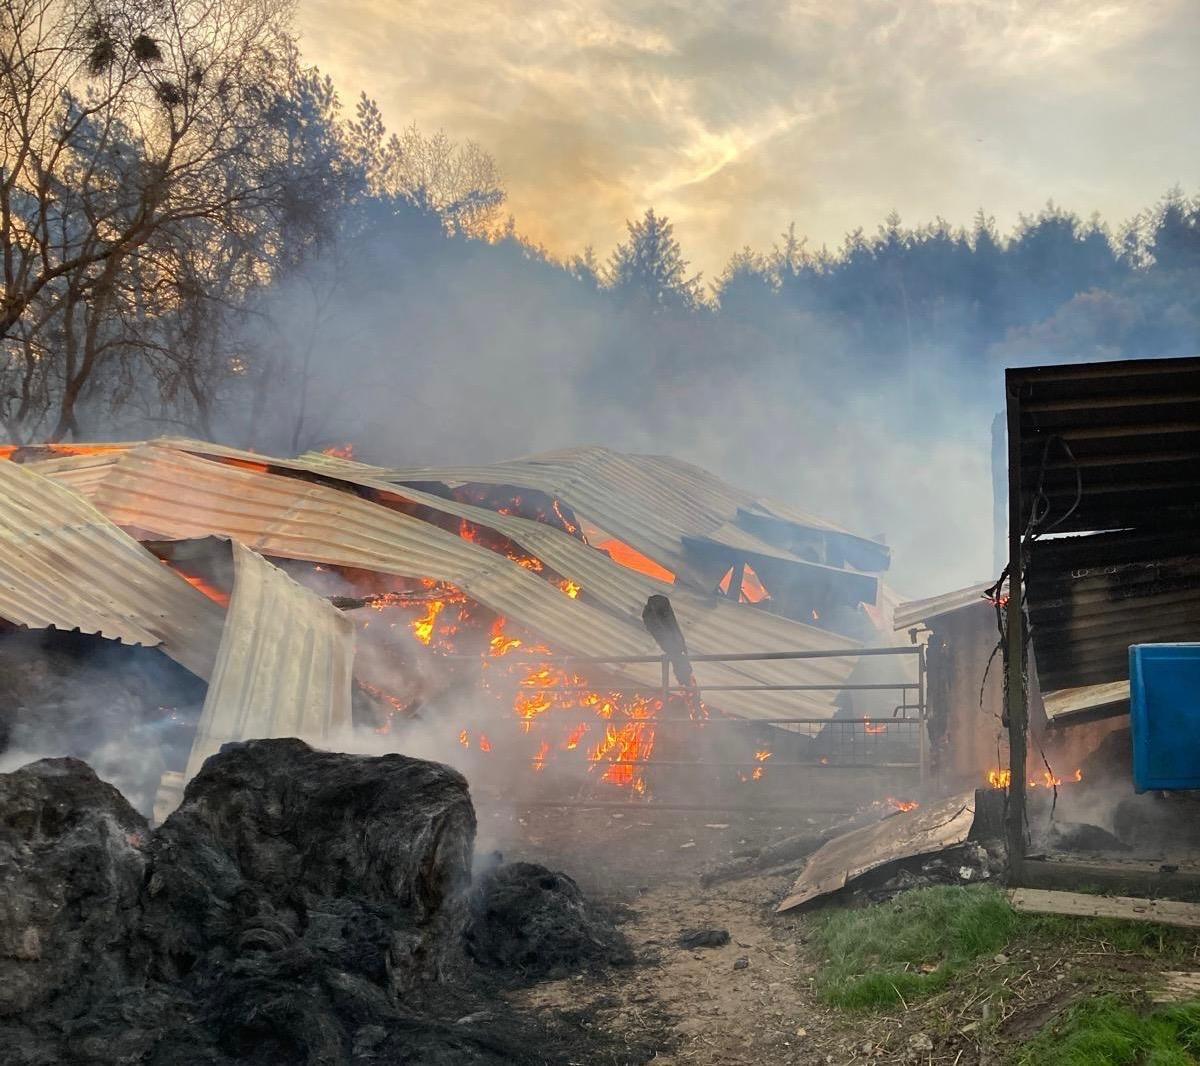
736 117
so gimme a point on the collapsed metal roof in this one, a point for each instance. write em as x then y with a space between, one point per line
64 564
314 509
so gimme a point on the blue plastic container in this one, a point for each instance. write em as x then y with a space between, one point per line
1164 712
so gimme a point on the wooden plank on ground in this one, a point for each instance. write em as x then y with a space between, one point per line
1179 986
1078 904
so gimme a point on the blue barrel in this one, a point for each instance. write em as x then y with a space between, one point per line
1164 713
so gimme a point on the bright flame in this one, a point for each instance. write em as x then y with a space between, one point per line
762 756
1002 778
423 627
464 739
903 805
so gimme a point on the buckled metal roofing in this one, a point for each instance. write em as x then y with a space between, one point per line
284 666
64 564
175 495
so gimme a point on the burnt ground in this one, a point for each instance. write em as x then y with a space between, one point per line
753 999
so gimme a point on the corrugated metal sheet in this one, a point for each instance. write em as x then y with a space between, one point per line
284 665
649 502
175 495
64 564
914 612
1090 597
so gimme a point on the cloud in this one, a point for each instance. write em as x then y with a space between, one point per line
737 117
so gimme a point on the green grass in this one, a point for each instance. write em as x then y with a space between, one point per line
914 946
910 947
1107 1032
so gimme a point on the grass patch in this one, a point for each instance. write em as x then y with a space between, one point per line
1107 1032
914 946
910 947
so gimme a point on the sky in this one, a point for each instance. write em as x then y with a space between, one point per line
736 118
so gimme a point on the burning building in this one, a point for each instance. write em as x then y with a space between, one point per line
319 594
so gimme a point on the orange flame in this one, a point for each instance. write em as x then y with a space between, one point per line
903 805
484 743
464 739
211 591
339 451
1002 778
762 756
874 730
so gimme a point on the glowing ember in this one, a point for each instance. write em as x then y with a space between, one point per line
903 805
211 591
484 743
339 451
874 729
762 756
625 555
464 739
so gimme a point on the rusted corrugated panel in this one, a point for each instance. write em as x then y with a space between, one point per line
284 665
64 564
926 830
176 495
915 612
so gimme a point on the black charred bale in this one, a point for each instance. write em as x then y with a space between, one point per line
72 862
275 918
532 922
364 861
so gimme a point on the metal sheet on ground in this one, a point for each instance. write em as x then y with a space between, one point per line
924 830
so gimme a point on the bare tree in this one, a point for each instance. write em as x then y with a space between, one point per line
131 135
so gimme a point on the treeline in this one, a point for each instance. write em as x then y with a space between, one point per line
197 239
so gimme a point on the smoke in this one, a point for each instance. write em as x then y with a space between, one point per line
128 712
434 352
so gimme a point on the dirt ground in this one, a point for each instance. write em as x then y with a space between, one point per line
752 1000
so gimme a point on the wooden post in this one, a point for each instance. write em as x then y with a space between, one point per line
736 576
1015 643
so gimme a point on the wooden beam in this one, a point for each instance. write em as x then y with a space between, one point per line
1126 908
1015 638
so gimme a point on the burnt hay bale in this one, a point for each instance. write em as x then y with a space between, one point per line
533 922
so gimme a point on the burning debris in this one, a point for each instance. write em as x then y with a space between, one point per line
516 591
